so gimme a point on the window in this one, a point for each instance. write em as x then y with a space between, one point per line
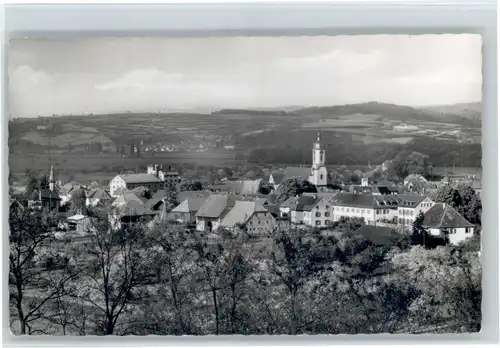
327 214
327 207
327 222
321 176
411 212
342 209
400 220
318 222
347 209
362 211
318 214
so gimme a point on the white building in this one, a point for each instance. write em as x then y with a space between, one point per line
443 219
123 182
311 210
410 206
373 209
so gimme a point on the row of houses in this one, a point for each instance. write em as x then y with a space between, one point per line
394 211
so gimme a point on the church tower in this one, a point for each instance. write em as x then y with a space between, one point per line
319 174
51 178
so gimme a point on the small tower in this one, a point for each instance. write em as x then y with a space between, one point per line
51 179
318 175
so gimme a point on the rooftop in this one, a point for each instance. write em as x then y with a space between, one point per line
241 212
140 178
442 215
189 205
215 205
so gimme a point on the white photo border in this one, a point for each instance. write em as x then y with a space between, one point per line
274 19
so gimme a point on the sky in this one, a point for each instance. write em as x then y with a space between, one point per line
110 75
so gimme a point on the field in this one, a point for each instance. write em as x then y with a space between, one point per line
180 138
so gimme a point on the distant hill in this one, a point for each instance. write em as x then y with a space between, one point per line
387 111
383 110
472 111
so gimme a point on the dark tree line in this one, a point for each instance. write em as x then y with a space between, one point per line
342 149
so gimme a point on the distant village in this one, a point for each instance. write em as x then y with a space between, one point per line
258 206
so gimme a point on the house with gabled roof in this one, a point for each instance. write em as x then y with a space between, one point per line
98 196
123 182
310 210
442 218
187 209
212 211
129 213
251 216
414 178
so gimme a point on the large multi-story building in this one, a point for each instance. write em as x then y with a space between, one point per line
372 208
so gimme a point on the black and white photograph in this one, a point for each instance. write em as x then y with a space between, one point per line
245 185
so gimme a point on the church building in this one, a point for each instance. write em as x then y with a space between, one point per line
317 174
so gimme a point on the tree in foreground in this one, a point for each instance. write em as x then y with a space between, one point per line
38 269
223 267
111 261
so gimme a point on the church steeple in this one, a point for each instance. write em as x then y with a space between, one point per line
318 169
318 159
51 178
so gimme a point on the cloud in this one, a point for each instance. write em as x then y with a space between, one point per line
345 62
103 76
25 77
159 90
